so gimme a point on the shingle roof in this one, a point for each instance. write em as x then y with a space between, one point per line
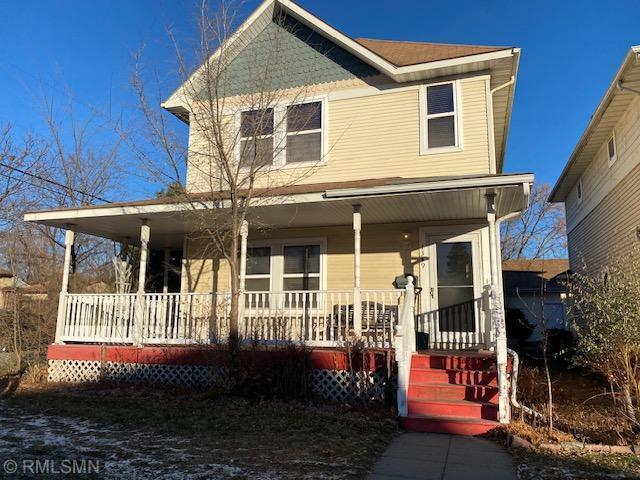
546 269
402 54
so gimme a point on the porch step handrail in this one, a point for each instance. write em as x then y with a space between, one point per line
405 345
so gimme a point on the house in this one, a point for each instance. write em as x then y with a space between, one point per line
10 284
408 190
600 182
536 288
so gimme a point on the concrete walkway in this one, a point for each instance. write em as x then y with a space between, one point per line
434 456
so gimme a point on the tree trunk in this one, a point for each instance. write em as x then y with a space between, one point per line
234 321
629 409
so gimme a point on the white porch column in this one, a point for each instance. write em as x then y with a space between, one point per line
244 234
357 298
497 312
165 271
138 330
69 237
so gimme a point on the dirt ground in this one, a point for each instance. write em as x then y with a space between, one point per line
143 434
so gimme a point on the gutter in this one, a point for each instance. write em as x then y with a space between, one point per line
490 181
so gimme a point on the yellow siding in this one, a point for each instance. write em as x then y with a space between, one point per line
385 255
604 223
377 136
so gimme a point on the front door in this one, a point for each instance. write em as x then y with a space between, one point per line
452 294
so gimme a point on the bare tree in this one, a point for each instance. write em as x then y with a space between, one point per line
21 166
540 232
84 169
238 135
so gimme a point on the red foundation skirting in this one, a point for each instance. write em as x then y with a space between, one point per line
330 359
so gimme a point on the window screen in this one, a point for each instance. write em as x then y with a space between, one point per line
441 116
304 133
256 138
258 276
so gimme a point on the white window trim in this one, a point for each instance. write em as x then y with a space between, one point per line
612 160
280 134
424 117
324 138
263 275
238 125
277 259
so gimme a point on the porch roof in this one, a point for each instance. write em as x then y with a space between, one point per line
382 201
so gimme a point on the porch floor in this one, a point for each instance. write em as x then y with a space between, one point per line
437 456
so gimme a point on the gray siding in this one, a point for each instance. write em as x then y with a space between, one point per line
609 230
287 54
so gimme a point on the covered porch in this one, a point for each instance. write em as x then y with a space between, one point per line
337 255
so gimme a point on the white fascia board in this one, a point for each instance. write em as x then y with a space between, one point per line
505 135
398 74
68 215
176 98
338 37
451 184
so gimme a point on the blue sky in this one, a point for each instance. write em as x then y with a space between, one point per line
571 50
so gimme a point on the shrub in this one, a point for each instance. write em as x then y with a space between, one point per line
281 374
518 328
607 313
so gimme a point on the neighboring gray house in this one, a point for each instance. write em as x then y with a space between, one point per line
535 287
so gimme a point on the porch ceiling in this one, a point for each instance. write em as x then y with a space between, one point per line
415 200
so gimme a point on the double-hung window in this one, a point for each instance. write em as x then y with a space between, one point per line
301 271
441 116
256 138
258 275
304 133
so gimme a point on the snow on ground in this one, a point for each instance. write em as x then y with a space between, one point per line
118 454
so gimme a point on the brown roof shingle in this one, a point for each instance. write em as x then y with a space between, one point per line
546 268
403 54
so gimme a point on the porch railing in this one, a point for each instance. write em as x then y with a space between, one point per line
317 318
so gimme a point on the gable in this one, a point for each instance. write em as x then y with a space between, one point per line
288 54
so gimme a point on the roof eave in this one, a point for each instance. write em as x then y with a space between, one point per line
560 189
505 136
398 74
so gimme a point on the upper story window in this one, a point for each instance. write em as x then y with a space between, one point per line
304 133
612 151
256 138
285 134
441 120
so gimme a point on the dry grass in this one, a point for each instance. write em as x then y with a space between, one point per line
261 439
584 409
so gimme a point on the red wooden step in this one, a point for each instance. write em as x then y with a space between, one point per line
445 424
458 362
453 376
459 408
447 391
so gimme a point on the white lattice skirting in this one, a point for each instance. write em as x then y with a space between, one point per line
333 385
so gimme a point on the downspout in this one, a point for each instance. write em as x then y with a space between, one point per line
515 359
492 139
511 81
